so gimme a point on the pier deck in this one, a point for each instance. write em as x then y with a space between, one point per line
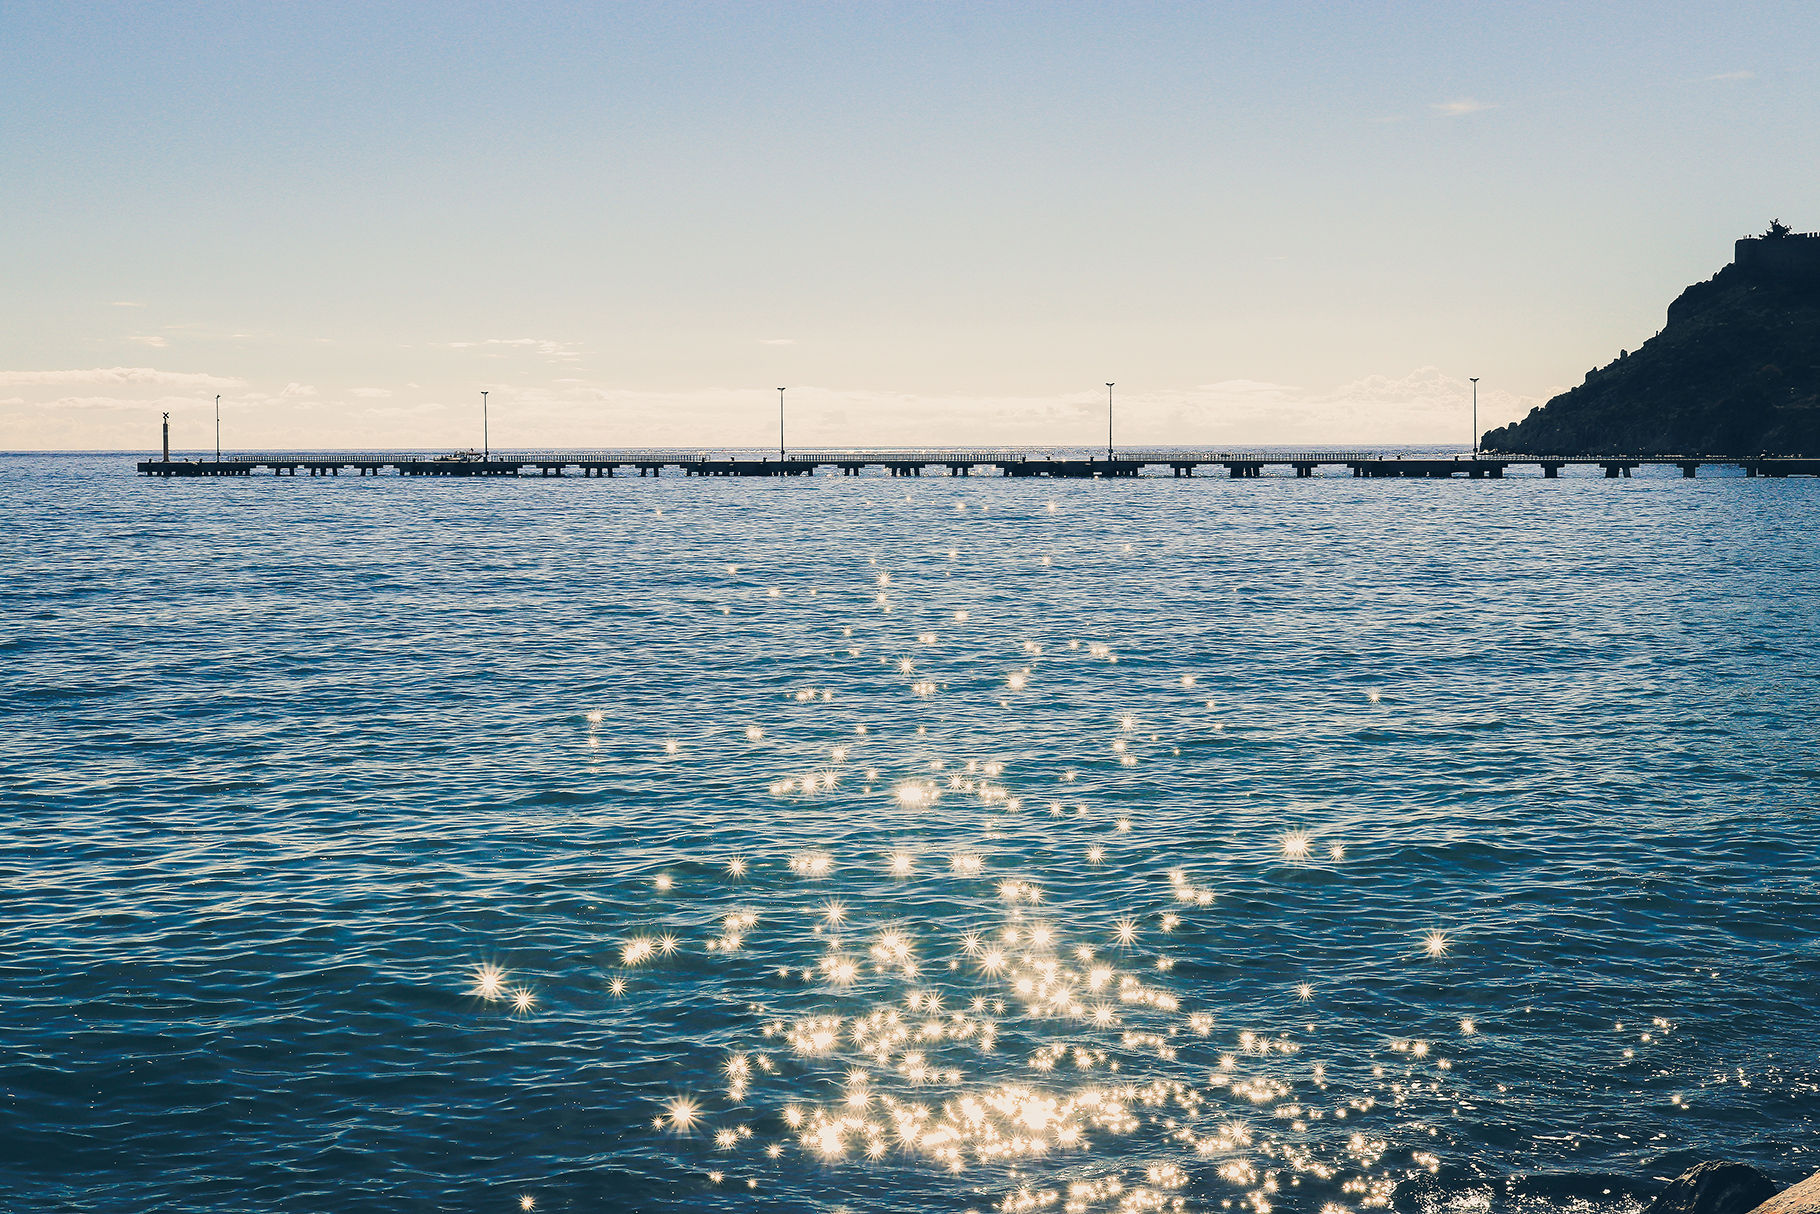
1015 463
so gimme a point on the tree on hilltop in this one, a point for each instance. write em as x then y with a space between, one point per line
1777 230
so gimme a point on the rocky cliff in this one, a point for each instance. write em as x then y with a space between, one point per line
1735 372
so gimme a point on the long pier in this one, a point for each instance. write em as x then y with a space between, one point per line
1015 463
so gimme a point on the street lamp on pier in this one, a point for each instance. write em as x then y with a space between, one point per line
1475 416
780 425
1109 423
486 442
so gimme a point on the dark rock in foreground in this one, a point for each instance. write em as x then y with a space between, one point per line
1714 1188
1735 372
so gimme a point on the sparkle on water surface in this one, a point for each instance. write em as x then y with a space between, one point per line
1201 845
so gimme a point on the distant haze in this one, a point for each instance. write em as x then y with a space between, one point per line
934 223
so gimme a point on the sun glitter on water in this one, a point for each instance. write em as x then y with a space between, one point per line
489 981
681 1115
927 998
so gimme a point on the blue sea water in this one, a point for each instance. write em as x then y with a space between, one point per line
874 844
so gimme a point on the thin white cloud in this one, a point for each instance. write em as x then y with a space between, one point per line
126 303
1248 385
777 341
135 376
157 343
1724 76
370 392
292 393
539 344
1461 106
402 410
126 404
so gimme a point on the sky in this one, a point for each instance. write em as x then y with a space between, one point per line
934 224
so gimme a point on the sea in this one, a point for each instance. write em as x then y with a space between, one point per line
850 844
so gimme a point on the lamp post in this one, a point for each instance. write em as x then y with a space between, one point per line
1475 416
167 438
486 442
780 425
1109 424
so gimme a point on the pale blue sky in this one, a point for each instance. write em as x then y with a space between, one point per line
936 223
